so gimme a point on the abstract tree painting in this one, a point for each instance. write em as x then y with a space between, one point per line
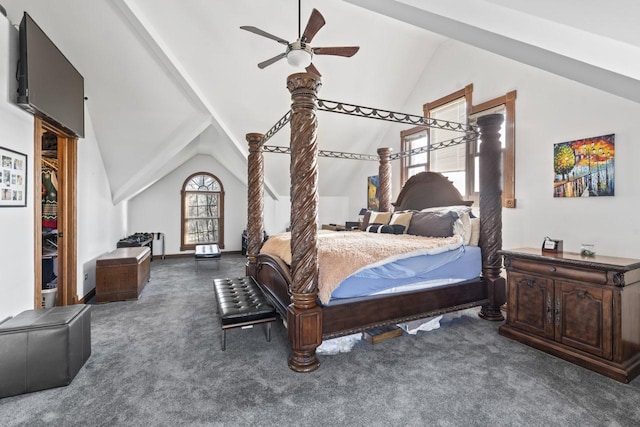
584 167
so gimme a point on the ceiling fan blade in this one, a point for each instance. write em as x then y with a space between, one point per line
312 69
339 51
316 21
272 60
259 32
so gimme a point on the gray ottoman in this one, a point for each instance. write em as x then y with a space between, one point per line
41 349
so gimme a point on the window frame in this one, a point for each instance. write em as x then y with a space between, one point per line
406 163
404 146
466 93
509 150
183 207
508 159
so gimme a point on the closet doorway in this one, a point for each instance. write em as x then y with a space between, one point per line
55 169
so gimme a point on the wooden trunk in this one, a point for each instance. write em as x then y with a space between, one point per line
122 274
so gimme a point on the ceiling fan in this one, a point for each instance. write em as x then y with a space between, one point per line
300 53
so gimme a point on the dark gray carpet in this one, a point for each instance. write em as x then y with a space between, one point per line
157 362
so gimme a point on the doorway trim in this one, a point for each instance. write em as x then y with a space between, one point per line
67 239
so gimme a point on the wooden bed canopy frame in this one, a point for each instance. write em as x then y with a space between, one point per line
294 290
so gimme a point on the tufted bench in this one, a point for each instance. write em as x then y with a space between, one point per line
241 303
208 253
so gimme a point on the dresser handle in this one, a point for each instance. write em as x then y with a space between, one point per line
552 269
549 310
558 311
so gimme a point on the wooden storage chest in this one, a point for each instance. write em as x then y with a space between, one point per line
122 274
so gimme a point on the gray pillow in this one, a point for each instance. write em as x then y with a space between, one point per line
432 224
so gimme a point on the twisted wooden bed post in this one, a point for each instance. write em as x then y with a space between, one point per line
304 317
384 180
255 202
491 214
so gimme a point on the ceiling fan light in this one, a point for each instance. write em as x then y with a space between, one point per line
299 58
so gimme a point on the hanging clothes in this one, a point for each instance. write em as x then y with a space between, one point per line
49 198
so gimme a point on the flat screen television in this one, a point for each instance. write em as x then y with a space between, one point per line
48 84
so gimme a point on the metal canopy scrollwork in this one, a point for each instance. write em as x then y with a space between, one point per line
279 125
470 132
322 153
392 116
435 146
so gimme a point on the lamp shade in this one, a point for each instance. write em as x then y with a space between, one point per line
299 58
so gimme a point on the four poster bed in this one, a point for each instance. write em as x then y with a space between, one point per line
292 286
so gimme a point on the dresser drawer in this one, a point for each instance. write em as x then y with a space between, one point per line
551 270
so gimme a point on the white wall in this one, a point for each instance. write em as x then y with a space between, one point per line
331 210
277 214
16 223
100 223
549 109
157 209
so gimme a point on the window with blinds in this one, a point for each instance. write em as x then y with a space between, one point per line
450 161
473 120
414 139
460 163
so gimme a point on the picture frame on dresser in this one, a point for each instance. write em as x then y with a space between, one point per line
13 178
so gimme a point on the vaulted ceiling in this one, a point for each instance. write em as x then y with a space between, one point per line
170 79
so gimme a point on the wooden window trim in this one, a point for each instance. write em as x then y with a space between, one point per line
509 163
183 192
509 157
404 161
467 94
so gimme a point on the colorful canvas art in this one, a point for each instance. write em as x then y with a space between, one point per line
372 193
584 167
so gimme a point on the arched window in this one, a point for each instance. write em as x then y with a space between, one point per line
202 211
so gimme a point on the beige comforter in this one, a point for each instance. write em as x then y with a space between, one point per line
341 254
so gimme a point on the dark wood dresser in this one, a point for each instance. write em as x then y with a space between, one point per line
583 309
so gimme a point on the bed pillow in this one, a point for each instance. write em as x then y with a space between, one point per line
385 228
401 218
365 221
475 232
380 218
374 217
462 226
433 224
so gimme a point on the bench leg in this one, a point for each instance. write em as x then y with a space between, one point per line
268 331
224 339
